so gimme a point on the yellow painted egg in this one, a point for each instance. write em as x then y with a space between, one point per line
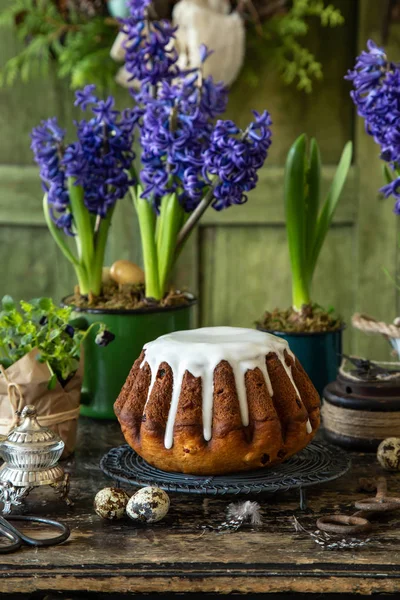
125 271
105 275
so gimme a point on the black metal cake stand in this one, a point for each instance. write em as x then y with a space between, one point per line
316 464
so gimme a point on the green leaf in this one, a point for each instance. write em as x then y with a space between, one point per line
330 204
55 333
388 174
83 225
312 197
79 323
6 362
7 303
56 233
52 382
146 218
100 242
27 339
44 304
295 208
171 218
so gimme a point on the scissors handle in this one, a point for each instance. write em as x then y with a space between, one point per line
16 534
16 541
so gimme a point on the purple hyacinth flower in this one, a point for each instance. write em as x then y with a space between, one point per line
98 160
233 158
204 53
376 94
150 56
85 97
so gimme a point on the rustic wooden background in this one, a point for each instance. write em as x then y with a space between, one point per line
237 262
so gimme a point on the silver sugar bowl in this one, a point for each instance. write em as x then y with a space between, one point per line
31 454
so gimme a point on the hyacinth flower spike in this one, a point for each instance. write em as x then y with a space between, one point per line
376 94
83 180
188 161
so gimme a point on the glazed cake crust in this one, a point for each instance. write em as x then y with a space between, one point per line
279 424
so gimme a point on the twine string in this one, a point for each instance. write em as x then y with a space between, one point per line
370 325
16 399
360 424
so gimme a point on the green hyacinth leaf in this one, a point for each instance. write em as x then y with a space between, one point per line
330 203
313 185
388 174
295 208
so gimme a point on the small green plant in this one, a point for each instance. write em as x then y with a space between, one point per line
307 217
48 328
279 40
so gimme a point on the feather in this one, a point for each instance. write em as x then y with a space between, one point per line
245 511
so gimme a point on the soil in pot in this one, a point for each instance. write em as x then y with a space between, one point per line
116 296
312 318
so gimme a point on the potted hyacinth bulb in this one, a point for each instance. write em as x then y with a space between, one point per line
314 335
189 161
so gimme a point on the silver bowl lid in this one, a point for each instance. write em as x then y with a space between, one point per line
29 431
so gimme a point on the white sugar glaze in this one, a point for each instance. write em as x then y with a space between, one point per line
199 351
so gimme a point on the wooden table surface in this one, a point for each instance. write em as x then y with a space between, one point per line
175 556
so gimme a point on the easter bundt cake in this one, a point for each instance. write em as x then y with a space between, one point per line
217 400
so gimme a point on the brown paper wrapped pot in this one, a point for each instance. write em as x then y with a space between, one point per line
26 382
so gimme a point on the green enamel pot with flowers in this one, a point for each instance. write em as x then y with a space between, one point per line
189 161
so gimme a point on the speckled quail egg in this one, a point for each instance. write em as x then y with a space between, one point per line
148 505
110 503
125 271
389 454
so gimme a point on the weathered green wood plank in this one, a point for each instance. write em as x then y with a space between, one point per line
377 225
20 195
32 265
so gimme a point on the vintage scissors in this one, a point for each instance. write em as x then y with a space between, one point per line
359 522
17 538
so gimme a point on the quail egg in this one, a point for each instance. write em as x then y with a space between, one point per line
110 503
389 454
148 505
